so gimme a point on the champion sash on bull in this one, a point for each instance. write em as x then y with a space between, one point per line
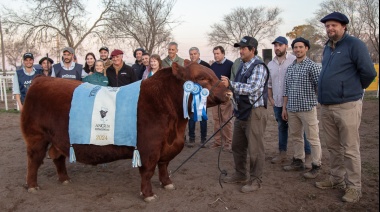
198 105
105 116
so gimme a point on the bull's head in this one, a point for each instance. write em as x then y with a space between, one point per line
206 78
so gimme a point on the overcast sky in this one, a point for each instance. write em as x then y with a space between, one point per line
198 15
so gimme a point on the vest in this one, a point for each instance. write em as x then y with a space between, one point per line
75 73
24 82
244 106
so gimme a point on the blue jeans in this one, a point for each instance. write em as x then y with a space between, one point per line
283 132
192 129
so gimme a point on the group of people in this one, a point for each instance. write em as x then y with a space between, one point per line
292 84
295 86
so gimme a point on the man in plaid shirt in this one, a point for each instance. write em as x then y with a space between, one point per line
299 109
250 91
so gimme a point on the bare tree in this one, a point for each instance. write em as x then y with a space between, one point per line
15 49
144 23
44 20
257 22
363 16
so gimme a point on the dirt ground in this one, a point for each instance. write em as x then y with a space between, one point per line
116 186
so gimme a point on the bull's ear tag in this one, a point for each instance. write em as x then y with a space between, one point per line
188 87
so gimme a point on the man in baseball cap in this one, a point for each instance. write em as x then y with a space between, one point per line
347 69
249 87
68 68
23 79
303 40
119 74
104 55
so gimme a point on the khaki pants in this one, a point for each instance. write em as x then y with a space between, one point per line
220 115
248 137
300 122
341 123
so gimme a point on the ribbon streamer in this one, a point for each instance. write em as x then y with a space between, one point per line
188 87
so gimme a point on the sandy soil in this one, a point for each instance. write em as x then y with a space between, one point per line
116 186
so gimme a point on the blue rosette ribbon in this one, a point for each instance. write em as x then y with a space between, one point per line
188 87
197 116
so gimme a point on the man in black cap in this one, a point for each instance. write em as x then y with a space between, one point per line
250 91
347 69
103 53
300 108
23 78
46 64
138 67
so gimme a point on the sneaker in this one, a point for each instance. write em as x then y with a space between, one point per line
329 184
279 158
235 179
308 162
352 195
313 173
296 165
191 143
252 185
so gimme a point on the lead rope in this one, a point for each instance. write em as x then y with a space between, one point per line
222 171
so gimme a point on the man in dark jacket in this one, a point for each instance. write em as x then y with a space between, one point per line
119 74
138 67
346 70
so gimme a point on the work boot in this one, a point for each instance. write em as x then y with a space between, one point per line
252 185
352 195
308 161
313 173
279 158
203 140
329 184
191 143
235 178
296 165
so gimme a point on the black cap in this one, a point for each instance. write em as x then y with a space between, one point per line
247 41
301 39
28 55
138 49
336 16
104 48
46 58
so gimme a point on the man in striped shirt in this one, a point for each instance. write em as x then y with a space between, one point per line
250 91
299 108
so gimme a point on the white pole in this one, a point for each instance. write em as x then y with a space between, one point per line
5 95
1 88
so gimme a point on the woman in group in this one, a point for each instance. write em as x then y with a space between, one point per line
97 78
89 66
46 64
155 63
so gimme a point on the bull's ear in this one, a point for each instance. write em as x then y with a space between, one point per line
178 70
187 62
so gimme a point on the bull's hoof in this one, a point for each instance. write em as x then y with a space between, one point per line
169 187
151 199
33 190
66 182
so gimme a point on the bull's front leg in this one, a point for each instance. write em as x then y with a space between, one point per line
164 176
146 173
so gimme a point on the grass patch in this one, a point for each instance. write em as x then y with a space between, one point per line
9 111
